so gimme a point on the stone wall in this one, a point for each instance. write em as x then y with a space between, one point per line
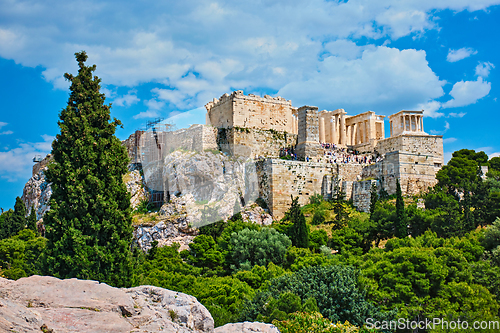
308 135
250 111
254 143
279 179
361 194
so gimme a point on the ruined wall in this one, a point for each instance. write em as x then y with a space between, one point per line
308 133
361 194
251 111
254 143
278 179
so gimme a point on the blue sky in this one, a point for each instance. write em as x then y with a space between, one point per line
163 58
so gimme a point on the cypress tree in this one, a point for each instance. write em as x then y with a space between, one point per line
373 198
298 231
401 227
15 221
31 221
89 225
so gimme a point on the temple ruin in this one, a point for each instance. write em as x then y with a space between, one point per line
303 151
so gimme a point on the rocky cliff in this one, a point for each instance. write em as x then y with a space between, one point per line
48 304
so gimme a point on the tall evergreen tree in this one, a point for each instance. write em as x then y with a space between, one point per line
401 227
373 197
13 221
31 221
298 231
89 225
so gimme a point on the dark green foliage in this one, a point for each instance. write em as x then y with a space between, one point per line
19 255
261 202
481 158
11 222
339 207
347 240
494 163
384 220
31 221
373 198
336 290
298 231
457 174
318 217
421 276
315 199
317 238
401 225
89 225
252 247
213 229
204 253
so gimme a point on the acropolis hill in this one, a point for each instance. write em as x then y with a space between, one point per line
303 151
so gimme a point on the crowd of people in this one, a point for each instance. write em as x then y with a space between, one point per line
333 154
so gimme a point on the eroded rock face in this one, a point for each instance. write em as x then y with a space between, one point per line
135 186
89 306
247 327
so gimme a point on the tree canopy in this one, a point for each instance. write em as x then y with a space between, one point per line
88 227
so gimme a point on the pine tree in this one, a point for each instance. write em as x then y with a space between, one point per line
401 227
298 231
14 221
89 225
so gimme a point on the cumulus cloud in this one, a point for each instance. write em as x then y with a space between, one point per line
17 163
383 79
127 100
430 109
196 50
483 69
497 154
467 92
456 55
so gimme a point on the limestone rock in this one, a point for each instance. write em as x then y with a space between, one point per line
135 186
247 327
37 193
89 306
256 214
216 183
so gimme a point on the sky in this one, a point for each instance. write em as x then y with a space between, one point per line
169 58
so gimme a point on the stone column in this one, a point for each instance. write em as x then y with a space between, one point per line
422 123
308 134
390 124
342 129
367 131
333 132
321 128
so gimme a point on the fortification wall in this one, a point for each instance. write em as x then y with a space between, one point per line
361 194
254 143
251 111
279 179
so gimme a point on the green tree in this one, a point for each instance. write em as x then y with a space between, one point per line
481 158
13 221
400 227
31 222
89 225
298 231
252 247
373 197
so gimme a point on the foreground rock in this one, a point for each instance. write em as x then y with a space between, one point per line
247 327
28 304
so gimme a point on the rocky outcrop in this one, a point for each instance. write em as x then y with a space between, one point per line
218 184
43 303
37 191
247 327
135 186
256 214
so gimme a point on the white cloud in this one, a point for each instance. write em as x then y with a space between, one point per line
203 49
456 55
6 132
449 140
2 124
457 115
483 69
497 154
467 92
430 109
446 128
127 100
17 163
382 79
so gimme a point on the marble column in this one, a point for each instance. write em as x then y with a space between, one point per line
321 129
333 133
342 130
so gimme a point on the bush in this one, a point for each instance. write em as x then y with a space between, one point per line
252 247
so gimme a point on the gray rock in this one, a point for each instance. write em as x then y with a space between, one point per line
247 327
89 306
